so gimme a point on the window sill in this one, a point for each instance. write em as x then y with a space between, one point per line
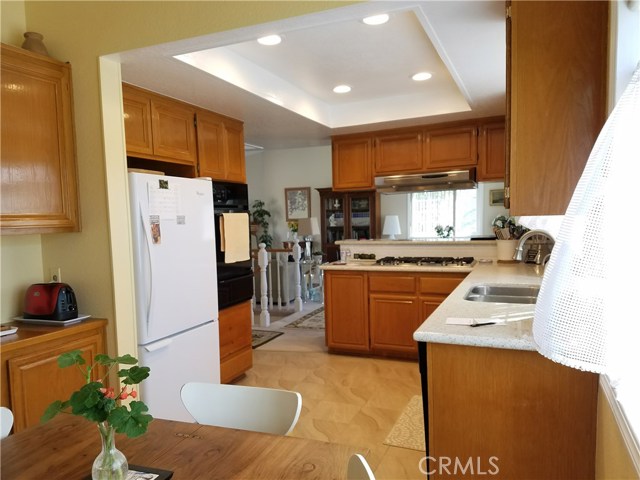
626 430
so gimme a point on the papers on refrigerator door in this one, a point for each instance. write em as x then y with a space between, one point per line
165 200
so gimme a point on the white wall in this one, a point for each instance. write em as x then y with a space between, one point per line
270 172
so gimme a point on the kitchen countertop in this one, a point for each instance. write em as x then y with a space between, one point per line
515 331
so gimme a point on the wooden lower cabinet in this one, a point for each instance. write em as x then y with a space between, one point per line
514 413
236 353
377 313
31 378
346 311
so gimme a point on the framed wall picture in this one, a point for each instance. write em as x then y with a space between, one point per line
496 197
297 202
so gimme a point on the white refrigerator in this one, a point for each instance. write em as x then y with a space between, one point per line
175 287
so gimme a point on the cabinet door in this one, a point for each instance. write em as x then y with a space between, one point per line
451 148
174 132
492 152
361 224
137 121
398 153
36 379
557 87
38 190
394 318
351 163
236 356
236 171
211 148
332 219
346 311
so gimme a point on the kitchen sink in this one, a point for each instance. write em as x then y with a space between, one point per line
526 294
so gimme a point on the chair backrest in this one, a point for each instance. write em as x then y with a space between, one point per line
258 409
6 421
359 469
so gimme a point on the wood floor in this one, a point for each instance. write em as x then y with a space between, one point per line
345 399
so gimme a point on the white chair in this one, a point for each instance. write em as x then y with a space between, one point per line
258 409
359 469
6 421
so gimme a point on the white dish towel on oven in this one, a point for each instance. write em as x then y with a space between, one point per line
234 237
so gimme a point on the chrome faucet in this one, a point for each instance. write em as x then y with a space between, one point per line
519 249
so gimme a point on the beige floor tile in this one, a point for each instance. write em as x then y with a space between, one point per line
345 399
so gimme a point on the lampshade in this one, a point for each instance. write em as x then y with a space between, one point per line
308 227
585 316
391 226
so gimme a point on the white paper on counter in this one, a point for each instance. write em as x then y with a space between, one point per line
471 321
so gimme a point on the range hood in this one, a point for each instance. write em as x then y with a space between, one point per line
427 182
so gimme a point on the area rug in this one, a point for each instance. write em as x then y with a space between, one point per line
312 320
260 337
408 432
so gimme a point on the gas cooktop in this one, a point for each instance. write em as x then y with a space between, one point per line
427 261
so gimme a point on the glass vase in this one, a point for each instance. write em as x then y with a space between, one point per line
111 464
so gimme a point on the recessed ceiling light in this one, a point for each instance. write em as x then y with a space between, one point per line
376 19
342 89
421 76
270 40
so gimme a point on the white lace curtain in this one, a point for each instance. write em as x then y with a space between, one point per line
587 315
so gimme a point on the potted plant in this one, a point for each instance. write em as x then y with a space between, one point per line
259 216
104 405
507 233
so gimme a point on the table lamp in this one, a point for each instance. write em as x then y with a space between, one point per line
307 228
391 226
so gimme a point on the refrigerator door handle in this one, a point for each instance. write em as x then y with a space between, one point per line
158 345
149 291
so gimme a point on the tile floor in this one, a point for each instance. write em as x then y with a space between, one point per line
346 399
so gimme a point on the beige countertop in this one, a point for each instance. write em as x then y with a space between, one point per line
513 330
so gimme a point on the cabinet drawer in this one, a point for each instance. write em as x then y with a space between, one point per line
392 283
235 329
442 284
235 365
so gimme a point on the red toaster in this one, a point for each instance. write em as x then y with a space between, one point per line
50 301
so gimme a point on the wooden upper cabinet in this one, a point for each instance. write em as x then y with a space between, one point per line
158 128
211 151
351 161
38 189
236 169
137 121
220 147
174 131
556 83
451 147
398 153
491 152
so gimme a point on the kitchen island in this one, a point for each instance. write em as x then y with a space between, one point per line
493 405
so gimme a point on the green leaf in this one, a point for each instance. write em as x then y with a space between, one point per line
103 359
127 360
71 358
134 375
52 410
132 423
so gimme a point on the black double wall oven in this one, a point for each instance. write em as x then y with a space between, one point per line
235 280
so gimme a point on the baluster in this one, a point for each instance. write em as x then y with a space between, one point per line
279 278
297 251
263 262
270 272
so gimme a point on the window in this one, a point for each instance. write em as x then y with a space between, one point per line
457 208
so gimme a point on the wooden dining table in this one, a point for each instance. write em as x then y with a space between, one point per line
65 448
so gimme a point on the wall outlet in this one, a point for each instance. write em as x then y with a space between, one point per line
55 274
